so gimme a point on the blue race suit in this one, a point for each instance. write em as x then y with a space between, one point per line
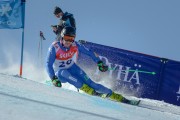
60 63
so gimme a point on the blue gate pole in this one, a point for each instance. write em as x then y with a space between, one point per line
22 45
22 49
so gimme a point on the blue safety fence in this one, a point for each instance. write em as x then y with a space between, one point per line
136 74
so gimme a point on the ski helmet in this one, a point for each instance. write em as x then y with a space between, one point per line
69 31
57 10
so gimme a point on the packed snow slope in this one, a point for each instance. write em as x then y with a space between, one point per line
23 99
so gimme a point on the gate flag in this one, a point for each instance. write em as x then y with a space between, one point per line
11 14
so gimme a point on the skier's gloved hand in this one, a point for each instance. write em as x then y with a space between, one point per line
56 82
102 67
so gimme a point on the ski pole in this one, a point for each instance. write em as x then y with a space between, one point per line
153 73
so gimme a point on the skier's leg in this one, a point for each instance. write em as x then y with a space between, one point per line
75 78
65 76
81 75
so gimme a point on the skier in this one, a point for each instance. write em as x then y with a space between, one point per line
61 68
66 19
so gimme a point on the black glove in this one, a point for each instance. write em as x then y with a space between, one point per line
56 82
57 29
102 67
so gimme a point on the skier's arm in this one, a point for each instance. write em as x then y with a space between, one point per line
88 52
50 60
100 64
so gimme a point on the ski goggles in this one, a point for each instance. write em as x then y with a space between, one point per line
69 38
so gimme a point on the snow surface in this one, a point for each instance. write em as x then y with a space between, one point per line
23 99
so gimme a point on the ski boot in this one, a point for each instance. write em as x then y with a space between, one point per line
116 97
87 89
119 98
90 90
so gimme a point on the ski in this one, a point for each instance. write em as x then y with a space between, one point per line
134 102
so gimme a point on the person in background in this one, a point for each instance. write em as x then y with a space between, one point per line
66 19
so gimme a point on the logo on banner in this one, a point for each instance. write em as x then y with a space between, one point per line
5 9
11 14
178 96
124 75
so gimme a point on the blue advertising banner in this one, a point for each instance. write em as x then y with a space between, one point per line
134 74
11 14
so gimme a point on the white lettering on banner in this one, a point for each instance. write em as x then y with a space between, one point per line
178 91
178 96
131 87
135 76
4 9
123 74
66 55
